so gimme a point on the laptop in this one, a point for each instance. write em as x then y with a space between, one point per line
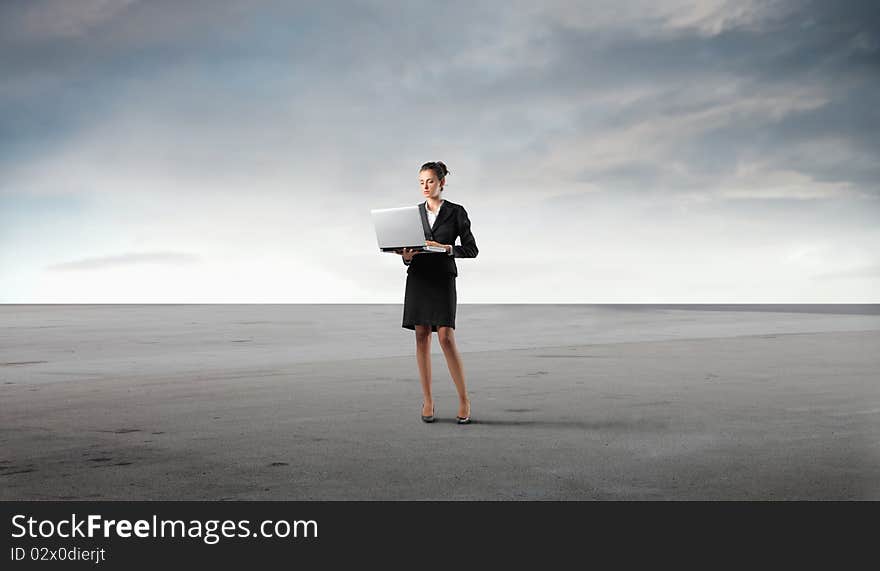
398 228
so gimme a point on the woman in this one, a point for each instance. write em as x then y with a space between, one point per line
429 302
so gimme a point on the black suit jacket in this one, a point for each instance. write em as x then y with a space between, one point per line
451 222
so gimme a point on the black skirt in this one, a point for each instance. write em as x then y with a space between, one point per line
429 300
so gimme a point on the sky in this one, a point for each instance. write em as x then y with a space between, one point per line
626 151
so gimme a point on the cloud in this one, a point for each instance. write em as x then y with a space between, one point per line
128 259
649 18
555 96
259 134
52 19
862 272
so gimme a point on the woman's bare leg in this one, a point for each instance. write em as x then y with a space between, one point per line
456 368
423 358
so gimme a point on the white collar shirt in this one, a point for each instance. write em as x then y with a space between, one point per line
432 216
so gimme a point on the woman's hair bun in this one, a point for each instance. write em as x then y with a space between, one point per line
438 167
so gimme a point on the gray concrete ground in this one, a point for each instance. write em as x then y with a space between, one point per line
322 402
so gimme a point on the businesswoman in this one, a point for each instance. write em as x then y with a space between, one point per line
429 302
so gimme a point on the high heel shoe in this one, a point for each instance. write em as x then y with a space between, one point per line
464 419
428 418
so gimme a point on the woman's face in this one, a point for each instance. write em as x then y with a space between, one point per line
431 187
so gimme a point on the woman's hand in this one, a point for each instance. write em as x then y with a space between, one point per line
433 243
408 253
